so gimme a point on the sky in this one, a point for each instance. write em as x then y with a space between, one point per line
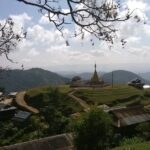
45 48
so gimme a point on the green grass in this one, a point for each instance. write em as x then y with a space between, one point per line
64 88
40 97
119 95
139 146
44 89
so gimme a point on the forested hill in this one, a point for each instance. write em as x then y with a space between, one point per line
17 80
121 77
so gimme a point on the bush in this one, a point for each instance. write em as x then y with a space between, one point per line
131 141
93 131
143 129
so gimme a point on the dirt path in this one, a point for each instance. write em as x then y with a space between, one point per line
79 100
22 103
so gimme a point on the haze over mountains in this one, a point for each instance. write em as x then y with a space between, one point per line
84 75
18 80
119 76
122 77
145 75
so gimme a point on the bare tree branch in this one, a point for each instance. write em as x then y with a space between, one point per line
97 17
9 38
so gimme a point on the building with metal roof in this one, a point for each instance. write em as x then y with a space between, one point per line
12 94
58 142
129 116
21 116
6 111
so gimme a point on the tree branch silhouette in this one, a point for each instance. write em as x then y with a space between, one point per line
9 38
98 19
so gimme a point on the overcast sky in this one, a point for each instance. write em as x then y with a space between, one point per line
45 48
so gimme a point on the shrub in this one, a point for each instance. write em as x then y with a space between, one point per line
93 131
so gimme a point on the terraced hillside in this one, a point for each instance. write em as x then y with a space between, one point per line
55 107
118 95
41 97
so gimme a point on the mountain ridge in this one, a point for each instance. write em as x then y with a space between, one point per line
122 77
18 80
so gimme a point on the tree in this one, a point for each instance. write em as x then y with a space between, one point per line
96 17
76 78
56 120
93 131
143 129
9 38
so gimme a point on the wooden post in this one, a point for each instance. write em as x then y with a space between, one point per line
112 79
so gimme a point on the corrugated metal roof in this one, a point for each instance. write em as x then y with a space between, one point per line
13 93
4 107
136 119
130 116
59 142
22 114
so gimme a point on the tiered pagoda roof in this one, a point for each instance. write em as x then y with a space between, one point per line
95 78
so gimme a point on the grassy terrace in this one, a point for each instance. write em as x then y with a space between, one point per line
41 97
44 89
139 146
118 95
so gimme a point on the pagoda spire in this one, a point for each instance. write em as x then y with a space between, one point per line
95 78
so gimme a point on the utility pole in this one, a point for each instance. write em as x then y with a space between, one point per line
112 77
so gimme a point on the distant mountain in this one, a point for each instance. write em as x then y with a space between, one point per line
88 75
121 77
68 74
146 75
84 75
17 80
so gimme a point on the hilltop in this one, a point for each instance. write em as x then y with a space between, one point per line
119 95
18 80
121 77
